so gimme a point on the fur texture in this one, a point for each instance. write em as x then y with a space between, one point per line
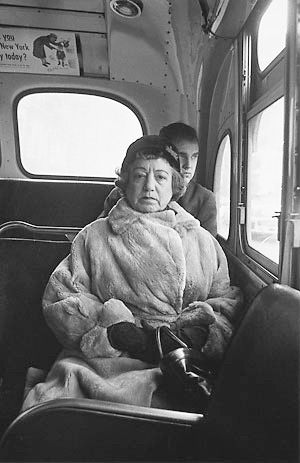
131 267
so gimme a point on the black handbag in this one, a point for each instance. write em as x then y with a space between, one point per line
186 375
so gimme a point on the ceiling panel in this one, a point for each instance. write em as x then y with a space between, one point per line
93 6
52 19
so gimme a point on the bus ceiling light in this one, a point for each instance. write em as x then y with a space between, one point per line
127 8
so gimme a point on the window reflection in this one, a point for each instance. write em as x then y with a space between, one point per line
265 154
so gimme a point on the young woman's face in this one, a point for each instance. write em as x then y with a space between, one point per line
149 187
188 156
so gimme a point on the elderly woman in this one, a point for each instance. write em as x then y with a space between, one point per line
149 263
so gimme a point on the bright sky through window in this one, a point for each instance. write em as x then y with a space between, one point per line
272 33
222 186
72 134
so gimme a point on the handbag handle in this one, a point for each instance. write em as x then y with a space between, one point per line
170 334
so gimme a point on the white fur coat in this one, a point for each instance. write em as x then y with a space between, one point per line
129 266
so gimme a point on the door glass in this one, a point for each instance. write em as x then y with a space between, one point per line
265 153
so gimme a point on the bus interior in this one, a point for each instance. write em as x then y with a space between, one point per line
126 68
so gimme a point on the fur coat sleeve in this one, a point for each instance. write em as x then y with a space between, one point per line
74 311
220 309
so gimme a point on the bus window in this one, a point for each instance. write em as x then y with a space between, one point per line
263 136
272 33
74 135
222 186
265 152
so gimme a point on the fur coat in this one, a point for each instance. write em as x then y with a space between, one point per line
131 266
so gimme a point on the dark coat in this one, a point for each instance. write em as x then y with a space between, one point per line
39 44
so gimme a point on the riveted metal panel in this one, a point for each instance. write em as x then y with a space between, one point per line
144 44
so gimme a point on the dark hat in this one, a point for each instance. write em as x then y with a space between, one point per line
152 144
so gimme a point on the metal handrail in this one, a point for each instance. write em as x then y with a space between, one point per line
43 229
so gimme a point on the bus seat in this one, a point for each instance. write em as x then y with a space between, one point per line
25 339
252 414
254 410
20 229
93 430
69 204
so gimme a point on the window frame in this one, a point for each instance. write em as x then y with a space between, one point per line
260 89
75 90
255 255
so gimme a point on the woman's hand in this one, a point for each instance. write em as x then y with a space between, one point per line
193 324
138 342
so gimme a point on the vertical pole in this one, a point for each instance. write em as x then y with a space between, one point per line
289 263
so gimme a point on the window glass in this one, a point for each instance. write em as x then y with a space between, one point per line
222 186
265 151
272 33
69 134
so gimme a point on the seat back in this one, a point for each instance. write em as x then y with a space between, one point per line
55 203
25 339
254 410
93 430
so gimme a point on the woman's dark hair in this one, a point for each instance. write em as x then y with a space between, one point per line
179 130
178 186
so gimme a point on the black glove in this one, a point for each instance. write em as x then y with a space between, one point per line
138 342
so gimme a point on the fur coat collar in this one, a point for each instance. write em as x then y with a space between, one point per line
122 216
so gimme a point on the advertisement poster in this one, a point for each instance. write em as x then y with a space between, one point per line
38 51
